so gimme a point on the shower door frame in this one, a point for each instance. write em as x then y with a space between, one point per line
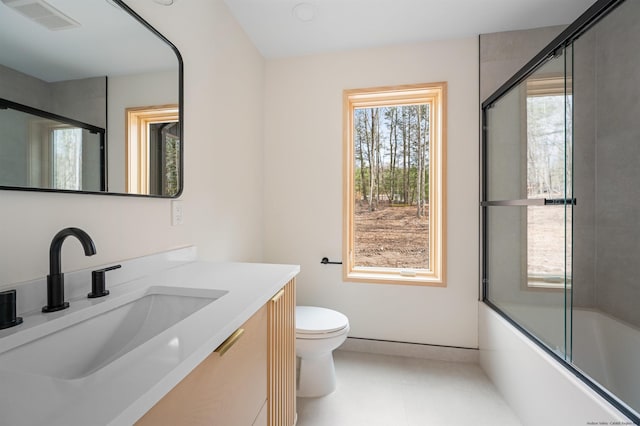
594 14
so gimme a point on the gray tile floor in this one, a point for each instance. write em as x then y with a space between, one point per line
400 391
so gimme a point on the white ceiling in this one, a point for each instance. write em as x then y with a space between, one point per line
350 24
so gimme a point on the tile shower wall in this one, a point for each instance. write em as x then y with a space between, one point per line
503 54
618 175
584 290
605 232
606 235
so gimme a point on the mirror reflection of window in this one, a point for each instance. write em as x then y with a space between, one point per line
164 156
153 150
67 158
546 156
545 146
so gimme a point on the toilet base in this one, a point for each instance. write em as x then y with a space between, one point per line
317 376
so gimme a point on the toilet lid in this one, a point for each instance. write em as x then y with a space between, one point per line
315 320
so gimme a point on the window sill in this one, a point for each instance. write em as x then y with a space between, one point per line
395 277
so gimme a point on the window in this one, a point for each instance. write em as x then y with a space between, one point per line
394 186
547 178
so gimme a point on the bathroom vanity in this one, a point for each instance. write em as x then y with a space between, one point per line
163 339
248 380
177 341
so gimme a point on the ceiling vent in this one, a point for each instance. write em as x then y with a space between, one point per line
43 13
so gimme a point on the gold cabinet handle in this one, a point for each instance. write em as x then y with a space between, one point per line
278 295
231 340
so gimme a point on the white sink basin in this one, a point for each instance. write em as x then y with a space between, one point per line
87 346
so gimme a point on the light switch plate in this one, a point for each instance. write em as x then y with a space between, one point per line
177 217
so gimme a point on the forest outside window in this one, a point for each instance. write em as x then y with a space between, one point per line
394 186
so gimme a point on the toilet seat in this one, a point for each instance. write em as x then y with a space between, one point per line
313 322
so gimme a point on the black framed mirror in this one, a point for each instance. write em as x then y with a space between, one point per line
90 100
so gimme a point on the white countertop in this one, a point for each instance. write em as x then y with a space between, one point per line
121 392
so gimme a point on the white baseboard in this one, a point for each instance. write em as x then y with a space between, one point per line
412 350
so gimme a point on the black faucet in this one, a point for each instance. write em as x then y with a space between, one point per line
55 279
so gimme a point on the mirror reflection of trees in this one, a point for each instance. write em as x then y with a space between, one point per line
67 158
546 146
548 176
164 152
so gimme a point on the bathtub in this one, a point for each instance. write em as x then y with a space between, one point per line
608 350
539 388
603 347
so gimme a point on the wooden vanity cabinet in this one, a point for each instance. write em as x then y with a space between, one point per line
225 389
249 380
281 398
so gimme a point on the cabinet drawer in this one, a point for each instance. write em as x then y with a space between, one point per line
227 389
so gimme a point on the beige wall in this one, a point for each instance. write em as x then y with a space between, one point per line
303 187
222 135
286 192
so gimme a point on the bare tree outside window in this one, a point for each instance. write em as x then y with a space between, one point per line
391 148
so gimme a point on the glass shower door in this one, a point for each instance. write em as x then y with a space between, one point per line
528 204
561 201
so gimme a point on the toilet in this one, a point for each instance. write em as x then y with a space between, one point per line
318 332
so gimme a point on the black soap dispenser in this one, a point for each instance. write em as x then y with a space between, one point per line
8 310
